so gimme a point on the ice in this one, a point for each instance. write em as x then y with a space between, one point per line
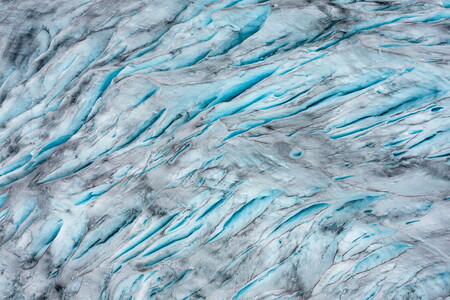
224 149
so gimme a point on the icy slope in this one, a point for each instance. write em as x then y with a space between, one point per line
227 149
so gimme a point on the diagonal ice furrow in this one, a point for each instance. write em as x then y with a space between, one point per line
224 149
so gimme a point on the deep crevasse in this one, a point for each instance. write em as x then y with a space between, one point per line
224 149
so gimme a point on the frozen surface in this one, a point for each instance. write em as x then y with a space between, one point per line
232 149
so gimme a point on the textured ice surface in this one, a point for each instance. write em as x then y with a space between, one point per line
232 149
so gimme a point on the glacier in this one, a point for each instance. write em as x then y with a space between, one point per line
224 149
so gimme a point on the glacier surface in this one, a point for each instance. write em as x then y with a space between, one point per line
224 149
